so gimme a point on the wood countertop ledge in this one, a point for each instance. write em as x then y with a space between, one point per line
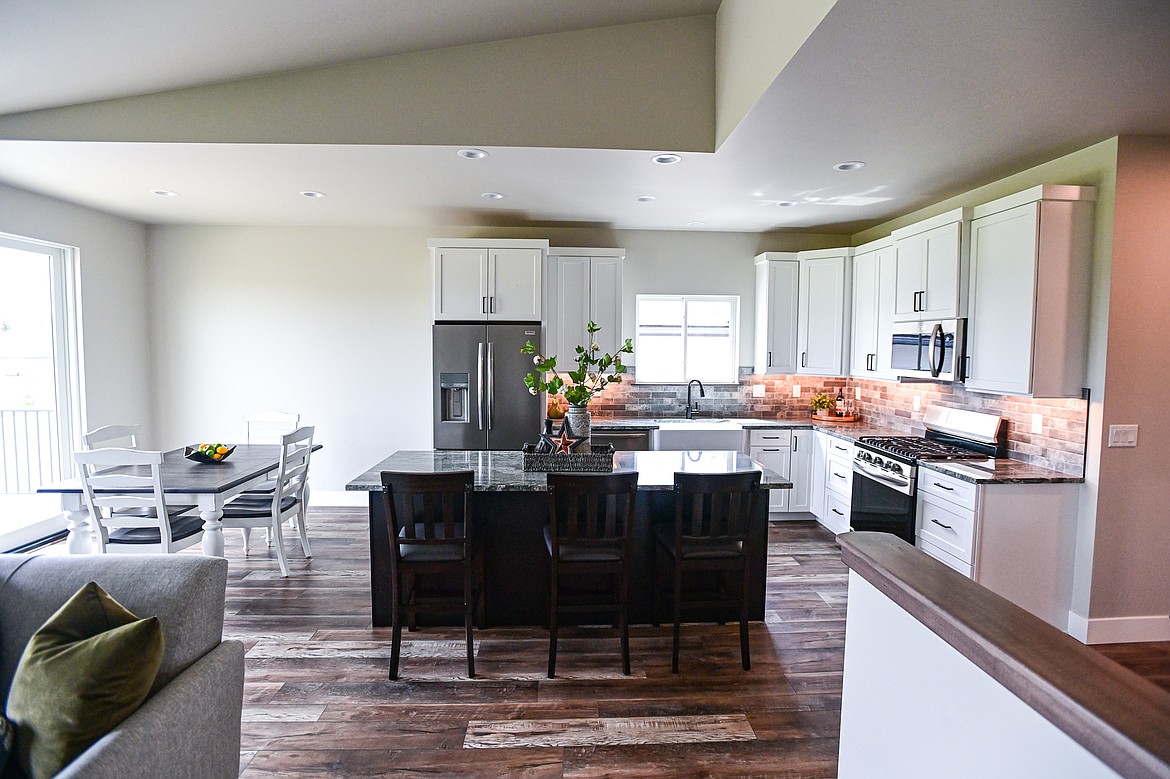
1115 714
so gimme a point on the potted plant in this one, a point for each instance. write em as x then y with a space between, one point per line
822 405
594 371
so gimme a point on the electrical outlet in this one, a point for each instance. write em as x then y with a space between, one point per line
917 402
1122 436
796 390
758 390
857 393
1037 423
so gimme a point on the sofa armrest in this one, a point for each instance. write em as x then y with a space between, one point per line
189 728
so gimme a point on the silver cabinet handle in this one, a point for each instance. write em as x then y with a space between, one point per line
608 434
940 524
480 382
944 487
491 382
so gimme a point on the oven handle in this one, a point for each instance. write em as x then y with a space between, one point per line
900 484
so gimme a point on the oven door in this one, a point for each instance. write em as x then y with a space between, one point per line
929 350
877 506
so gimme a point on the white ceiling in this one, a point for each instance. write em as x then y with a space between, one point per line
937 98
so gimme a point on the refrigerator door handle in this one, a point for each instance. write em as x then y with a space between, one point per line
479 376
491 383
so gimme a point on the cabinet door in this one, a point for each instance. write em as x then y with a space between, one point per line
821 326
1003 300
568 307
863 348
514 284
941 281
800 470
461 284
909 261
783 305
605 301
818 472
778 460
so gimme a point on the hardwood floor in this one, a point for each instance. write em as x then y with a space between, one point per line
318 703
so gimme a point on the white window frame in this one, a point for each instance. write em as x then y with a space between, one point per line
731 374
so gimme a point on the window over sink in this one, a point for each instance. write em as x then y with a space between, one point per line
684 337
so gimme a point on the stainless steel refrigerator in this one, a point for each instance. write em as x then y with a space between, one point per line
480 401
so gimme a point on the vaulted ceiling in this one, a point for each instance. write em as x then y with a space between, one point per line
240 106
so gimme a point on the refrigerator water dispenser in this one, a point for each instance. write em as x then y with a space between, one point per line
453 399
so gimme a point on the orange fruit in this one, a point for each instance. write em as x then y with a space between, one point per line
222 449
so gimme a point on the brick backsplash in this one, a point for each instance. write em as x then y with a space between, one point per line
1060 445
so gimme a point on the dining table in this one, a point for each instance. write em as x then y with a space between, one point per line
206 485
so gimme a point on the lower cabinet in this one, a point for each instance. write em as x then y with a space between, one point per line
838 483
790 454
1015 539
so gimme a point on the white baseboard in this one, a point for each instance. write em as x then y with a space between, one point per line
1119 630
339 498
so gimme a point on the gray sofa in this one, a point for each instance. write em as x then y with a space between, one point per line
190 724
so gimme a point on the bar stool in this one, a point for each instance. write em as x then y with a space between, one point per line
428 516
711 520
588 534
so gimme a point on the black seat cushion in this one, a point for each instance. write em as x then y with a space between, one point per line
694 549
255 506
181 527
582 553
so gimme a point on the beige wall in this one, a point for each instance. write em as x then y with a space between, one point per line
115 326
1131 561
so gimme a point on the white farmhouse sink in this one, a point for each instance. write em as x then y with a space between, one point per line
708 434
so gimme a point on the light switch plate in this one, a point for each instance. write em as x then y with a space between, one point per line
1037 423
1122 436
758 390
796 390
857 393
917 402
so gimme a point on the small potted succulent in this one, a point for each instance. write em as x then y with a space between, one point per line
823 405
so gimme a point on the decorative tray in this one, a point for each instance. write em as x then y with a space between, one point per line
600 460
836 420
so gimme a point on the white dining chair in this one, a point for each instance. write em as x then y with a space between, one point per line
285 502
128 509
125 436
266 427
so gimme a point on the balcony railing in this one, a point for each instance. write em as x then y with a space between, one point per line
30 449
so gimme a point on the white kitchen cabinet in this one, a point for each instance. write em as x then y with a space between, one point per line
778 459
873 310
823 317
817 473
582 286
930 268
800 470
777 304
833 477
1017 540
487 279
1027 332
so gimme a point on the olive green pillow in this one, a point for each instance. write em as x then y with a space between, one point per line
87 669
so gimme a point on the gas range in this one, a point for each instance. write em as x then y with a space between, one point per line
910 448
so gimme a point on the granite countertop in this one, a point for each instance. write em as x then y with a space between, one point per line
503 471
1003 470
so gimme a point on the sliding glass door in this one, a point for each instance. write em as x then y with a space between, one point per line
38 384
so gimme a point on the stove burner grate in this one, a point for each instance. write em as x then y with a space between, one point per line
919 448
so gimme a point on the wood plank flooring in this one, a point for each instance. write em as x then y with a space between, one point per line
318 703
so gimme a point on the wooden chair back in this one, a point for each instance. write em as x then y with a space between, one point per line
292 474
429 509
591 510
101 438
714 507
123 488
267 427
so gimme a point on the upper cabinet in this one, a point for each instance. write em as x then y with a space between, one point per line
824 312
873 310
487 279
930 268
1030 263
582 286
777 303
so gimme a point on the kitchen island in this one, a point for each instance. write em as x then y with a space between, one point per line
511 506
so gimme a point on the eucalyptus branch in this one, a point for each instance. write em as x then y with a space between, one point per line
593 373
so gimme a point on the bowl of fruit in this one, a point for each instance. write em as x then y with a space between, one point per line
208 453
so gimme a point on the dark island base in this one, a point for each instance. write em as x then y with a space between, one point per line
518 566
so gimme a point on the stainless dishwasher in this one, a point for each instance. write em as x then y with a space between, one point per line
623 440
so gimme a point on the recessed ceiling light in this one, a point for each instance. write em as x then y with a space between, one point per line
850 165
645 198
164 193
785 203
492 196
696 223
666 159
472 154
312 193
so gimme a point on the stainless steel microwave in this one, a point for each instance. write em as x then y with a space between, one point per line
929 350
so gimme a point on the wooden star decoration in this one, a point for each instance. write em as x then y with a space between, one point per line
560 442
